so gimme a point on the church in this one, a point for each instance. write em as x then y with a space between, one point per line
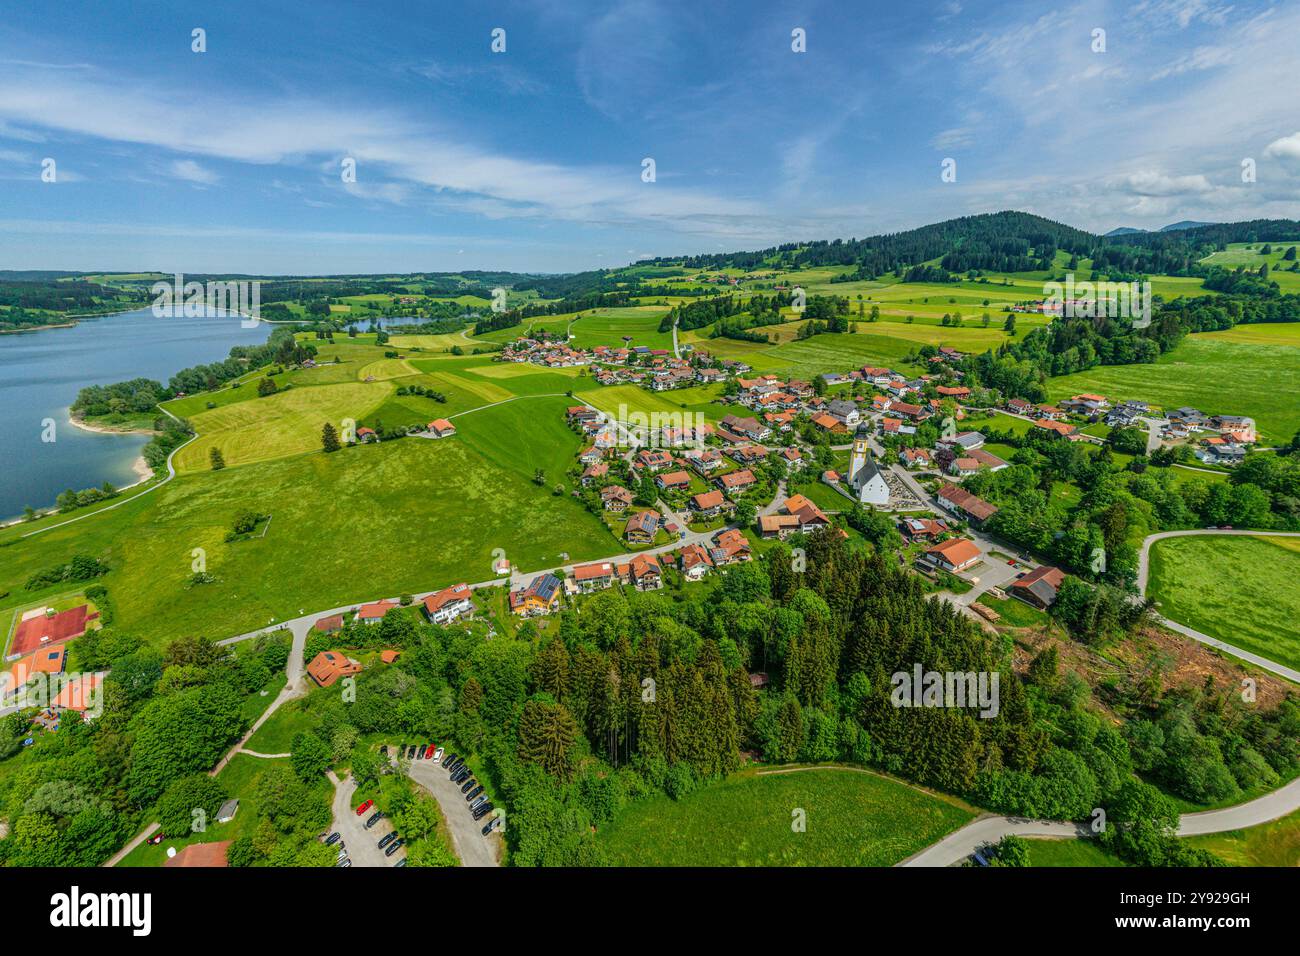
865 478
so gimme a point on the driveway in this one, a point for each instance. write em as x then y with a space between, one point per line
473 848
360 841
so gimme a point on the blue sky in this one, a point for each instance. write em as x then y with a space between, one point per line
531 159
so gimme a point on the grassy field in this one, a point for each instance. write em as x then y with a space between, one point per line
378 520
1014 613
1224 373
852 819
1270 844
1239 589
1069 853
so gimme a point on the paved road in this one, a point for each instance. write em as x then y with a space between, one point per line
959 845
472 847
361 843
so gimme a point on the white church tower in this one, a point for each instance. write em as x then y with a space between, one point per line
865 478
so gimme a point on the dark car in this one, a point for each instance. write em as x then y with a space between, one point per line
333 838
387 840
460 776
478 801
452 764
374 818
473 793
401 862
397 845
490 825
483 810
468 785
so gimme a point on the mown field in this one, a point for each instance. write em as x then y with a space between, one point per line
852 818
1269 844
1227 373
1240 589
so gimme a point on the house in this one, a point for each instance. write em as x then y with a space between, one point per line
388 655
365 434
441 428
641 527
593 577
449 604
581 413
963 467
590 455
923 529
986 459
729 547
799 514
328 666
645 573
615 498
703 460
881 403
1050 412
749 428
1237 428
82 694
828 423
209 855
846 413
956 499
540 597
42 626
653 460
594 473
47 660
374 612
914 413
1039 587
226 812
953 555
916 458
674 481
737 482
748 454
831 477
1018 406
953 391
1060 428
792 457
708 503
695 562
329 625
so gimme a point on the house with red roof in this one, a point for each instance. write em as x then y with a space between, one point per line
449 604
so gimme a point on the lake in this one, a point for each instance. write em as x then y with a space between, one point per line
41 373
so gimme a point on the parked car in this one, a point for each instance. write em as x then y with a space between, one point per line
452 762
157 838
364 807
483 810
473 793
344 862
375 818
428 752
333 838
478 801
401 862
468 785
392 835
396 845
459 776
490 825
437 755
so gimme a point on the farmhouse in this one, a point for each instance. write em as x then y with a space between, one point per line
1039 587
953 555
916 457
846 413
1061 428
953 391
703 460
441 428
328 666
729 547
594 473
708 503
828 423
923 529
748 454
653 460
958 500
695 562
328 625
964 441
449 604
673 480
645 573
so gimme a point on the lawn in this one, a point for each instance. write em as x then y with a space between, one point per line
1013 612
1239 589
1269 844
633 398
853 818
1222 374
370 521
1069 853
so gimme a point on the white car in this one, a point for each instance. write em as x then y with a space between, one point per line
437 755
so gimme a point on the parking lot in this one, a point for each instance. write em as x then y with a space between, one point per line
360 841
472 847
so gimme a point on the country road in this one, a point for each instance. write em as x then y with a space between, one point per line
960 844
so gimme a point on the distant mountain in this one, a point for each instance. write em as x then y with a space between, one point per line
1186 224
1122 231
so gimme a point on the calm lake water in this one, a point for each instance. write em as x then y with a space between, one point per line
41 373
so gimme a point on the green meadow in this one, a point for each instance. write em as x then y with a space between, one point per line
1237 588
851 817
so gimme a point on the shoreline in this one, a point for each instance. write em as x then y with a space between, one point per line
107 429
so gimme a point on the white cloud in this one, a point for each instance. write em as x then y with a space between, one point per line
1152 183
1287 148
191 171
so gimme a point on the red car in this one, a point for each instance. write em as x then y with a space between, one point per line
364 807
429 751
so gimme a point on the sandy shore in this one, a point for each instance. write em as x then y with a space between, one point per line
108 429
